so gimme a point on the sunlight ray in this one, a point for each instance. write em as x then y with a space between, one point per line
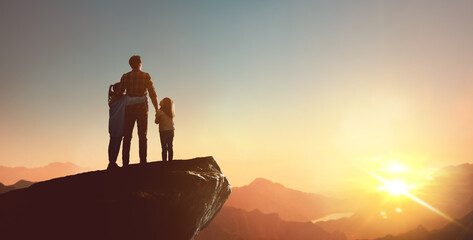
417 200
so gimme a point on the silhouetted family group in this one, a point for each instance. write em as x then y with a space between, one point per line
128 104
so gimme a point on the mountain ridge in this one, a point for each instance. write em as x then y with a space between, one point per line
18 185
291 205
235 224
11 175
462 229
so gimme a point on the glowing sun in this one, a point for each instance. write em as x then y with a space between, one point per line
395 187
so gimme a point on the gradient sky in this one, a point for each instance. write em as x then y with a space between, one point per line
293 91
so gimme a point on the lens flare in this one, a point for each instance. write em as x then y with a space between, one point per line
395 187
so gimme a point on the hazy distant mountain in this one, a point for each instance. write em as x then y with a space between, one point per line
18 185
420 233
461 231
10 175
452 190
22 184
291 205
382 216
237 224
4 189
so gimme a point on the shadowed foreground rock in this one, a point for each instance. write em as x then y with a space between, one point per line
172 200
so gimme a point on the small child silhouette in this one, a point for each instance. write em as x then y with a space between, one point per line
164 117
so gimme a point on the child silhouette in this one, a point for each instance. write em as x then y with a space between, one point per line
164 117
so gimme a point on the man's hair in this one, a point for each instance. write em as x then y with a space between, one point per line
134 61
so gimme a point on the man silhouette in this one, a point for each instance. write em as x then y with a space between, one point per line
136 84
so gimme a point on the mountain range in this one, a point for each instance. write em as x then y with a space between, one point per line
376 214
237 224
18 185
11 175
267 210
460 230
289 204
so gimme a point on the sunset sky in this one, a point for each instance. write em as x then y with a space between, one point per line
298 92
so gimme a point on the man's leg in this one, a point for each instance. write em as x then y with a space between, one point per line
127 134
142 122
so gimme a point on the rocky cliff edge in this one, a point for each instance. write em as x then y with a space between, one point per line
159 200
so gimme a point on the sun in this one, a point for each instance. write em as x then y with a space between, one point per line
398 187
395 187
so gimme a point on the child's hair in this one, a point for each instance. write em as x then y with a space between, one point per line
167 107
113 90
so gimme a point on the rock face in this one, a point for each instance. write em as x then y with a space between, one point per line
159 200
